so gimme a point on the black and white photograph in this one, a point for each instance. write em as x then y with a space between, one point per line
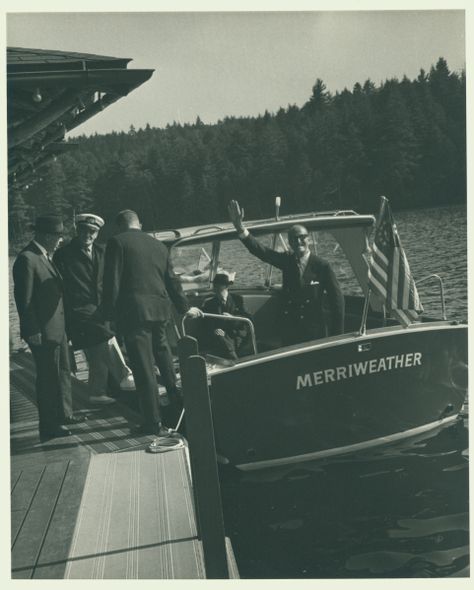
238 293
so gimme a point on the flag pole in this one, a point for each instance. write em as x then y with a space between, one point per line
365 311
268 280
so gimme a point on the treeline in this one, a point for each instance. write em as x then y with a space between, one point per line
405 139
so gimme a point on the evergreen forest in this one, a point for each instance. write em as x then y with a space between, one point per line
405 139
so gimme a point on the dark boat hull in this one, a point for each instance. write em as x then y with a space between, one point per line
339 395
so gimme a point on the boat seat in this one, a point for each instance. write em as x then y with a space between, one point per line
264 308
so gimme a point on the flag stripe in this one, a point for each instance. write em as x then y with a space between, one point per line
389 274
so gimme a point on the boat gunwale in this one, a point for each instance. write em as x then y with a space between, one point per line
339 340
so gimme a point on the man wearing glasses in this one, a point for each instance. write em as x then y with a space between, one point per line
306 278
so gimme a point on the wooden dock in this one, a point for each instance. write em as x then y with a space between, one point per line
96 505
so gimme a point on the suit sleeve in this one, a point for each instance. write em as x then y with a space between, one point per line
210 324
174 288
241 329
113 267
266 254
24 279
335 300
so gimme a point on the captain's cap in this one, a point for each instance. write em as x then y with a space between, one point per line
90 220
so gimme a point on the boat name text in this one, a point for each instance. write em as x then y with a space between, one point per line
386 363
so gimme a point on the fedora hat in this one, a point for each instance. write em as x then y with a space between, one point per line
49 224
224 278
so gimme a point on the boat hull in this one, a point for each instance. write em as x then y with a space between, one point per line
341 395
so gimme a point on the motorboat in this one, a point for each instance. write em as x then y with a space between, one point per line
377 383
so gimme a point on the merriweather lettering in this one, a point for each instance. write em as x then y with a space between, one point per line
377 365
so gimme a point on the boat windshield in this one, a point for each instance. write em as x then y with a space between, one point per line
196 264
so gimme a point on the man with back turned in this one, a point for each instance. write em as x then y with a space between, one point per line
139 287
306 278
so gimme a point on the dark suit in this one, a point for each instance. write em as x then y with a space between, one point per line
139 287
83 277
302 316
39 300
236 341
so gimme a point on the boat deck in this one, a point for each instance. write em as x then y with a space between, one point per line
95 504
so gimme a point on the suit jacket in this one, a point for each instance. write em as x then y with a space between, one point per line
303 295
38 295
235 306
83 278
139 281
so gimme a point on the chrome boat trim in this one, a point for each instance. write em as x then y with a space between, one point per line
348 448
334 341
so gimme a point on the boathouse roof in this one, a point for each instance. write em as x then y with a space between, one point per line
51 92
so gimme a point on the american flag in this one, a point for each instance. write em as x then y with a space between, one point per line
389 273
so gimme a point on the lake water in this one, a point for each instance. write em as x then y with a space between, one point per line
397 512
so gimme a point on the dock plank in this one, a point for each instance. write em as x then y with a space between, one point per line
14 479
134 510
51 563
26 487
136 520
16 520
30 538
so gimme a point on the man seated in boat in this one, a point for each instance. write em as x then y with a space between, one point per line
306 278
227 339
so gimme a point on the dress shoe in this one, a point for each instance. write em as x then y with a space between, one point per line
57 432
75 419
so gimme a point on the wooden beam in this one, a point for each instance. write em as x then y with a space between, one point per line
37 123
206 487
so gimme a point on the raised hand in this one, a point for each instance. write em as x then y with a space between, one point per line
236 215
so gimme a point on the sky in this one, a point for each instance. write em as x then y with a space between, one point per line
218 64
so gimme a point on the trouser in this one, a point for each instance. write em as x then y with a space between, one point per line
146 344
223 346
103 359
53 384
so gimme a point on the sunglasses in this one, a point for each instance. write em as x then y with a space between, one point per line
301 237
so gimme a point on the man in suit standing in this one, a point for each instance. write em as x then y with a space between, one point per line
38 292
139 287
81 263
227 339
306 278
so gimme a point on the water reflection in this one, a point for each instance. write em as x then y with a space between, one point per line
401 511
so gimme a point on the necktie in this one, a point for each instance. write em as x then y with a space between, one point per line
299 264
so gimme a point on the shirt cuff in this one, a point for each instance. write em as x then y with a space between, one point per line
243 234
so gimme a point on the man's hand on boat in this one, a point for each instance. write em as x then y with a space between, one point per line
193 312
236 215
